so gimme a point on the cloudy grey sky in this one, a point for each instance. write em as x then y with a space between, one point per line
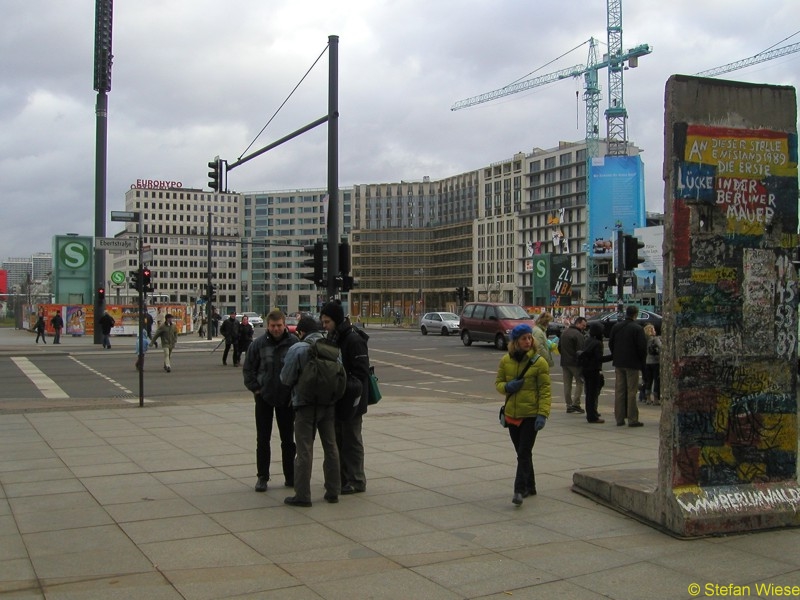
197 78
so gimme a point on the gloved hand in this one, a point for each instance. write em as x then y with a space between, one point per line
540 422
513 386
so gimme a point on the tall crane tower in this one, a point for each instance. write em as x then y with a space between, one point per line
616 114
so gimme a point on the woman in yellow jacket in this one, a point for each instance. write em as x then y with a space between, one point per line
527 403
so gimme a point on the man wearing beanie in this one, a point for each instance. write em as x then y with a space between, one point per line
310 416
262 376
355 358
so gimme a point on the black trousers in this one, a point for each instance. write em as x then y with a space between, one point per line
592 386
265 414
523 436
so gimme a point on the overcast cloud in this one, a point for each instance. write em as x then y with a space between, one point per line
197 78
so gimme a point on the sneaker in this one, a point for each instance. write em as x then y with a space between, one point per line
261 484
570 409
578 409
635 424
295 501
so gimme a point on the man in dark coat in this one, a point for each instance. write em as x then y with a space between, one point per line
628 345
262 376
230 331
106 323
355 358
58 324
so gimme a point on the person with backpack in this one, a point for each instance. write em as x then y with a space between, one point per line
355 358
314 370
262 376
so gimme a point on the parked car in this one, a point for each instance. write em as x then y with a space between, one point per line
491 322
253 317
443 322
609 319
291 324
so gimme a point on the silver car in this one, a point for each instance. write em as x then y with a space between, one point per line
253 317
443 322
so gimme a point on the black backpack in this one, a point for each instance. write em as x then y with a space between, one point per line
323 378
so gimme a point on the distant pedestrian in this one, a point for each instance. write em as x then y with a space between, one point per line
107 322
58 324
246 333
570 343
628 345
652 367
215 319
523 377
168 334
40 329
148 325
142 343
230 331
540 337
310 416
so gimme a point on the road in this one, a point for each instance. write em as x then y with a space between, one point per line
78 373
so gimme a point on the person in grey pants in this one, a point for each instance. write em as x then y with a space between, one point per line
628 345
570 344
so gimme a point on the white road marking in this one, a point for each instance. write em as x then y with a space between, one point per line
101 375
48 387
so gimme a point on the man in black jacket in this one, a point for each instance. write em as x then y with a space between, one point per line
355 358
230 331
262 376
628 345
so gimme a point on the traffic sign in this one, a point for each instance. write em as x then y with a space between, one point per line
119 244
118 277
126 216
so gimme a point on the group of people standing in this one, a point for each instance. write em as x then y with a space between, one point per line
523 376
271 368
238 337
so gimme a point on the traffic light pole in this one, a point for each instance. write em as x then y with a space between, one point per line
620 267
141 315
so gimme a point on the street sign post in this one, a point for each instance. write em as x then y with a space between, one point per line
126 216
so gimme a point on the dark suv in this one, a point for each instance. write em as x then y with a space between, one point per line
491 322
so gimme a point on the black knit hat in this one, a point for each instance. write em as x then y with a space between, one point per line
334 310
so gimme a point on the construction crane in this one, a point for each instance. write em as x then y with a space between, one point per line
616 114
753 60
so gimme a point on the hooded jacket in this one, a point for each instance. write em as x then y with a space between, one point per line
296 359
355 358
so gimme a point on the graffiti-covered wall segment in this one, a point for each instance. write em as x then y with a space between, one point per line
729 427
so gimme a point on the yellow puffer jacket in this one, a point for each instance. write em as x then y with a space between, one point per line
534 397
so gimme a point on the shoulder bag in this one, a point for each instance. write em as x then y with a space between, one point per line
502 414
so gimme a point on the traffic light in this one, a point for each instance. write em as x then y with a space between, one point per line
147 283
632 245
133 281
317 262
348 283
212 292
101 294
344 258
214 175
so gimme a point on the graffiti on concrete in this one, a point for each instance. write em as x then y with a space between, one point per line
713 500
735 308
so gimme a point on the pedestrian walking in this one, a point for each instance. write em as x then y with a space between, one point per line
57 322
39 328
628 345
523 377
168 334
230 331
142 344
246 333
311 415
107 322
262 371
